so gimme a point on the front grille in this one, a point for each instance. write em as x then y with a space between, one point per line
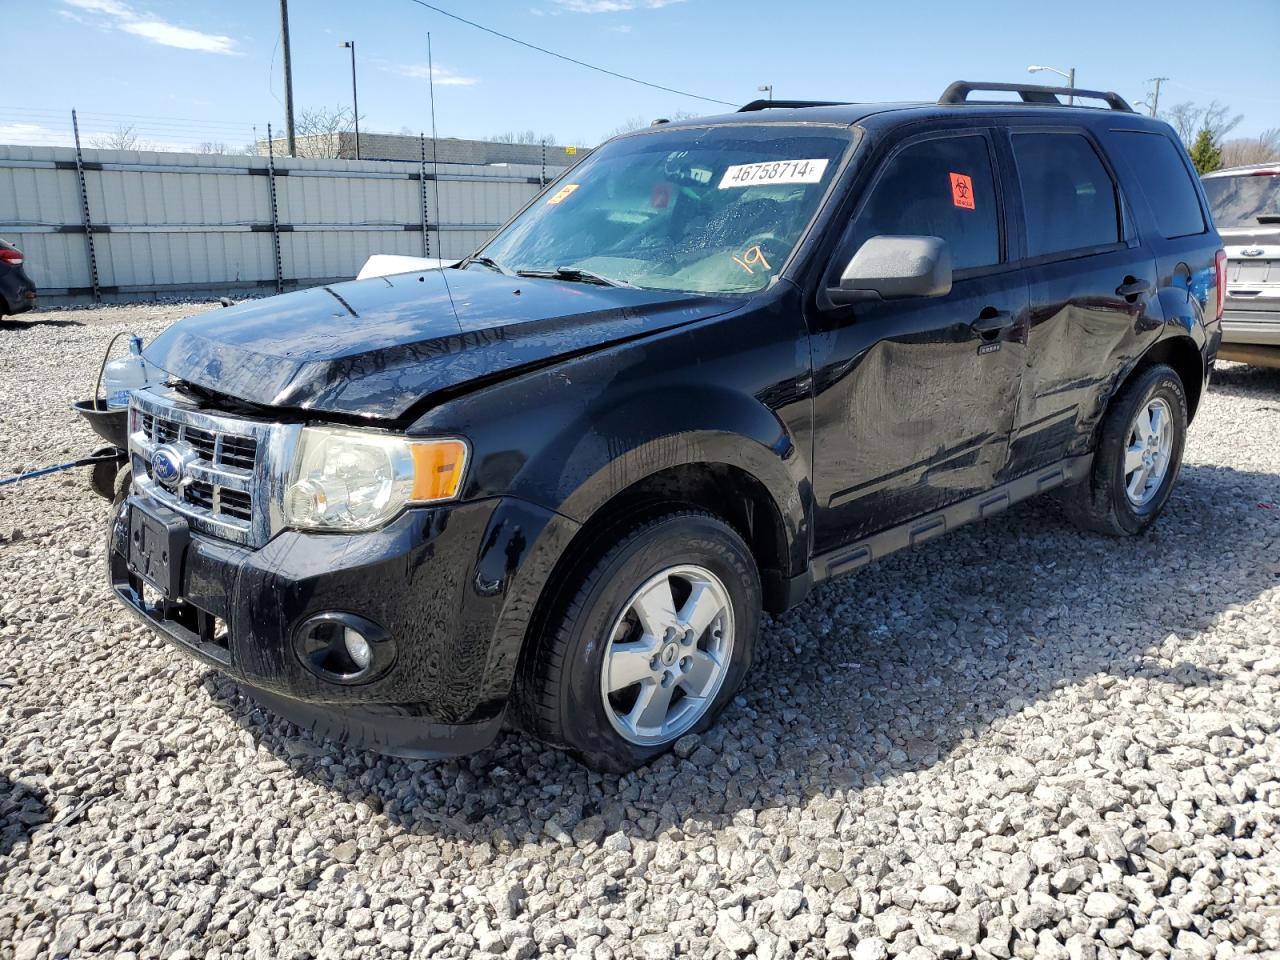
238 452
223 450
227 474
236 504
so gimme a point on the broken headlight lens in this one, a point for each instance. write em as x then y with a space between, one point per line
354 480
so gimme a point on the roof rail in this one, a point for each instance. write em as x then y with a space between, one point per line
959 92
788 104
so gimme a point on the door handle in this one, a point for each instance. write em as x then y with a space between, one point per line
1132 288
991 320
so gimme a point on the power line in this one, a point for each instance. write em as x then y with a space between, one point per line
567 59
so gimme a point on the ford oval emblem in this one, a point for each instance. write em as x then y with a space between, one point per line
167 467
1252 252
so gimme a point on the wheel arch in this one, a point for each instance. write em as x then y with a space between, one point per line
1181 353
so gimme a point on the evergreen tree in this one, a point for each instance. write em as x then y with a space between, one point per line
1205 152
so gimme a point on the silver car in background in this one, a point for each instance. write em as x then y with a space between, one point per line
1246 209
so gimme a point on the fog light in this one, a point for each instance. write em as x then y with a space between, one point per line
344 648
358 648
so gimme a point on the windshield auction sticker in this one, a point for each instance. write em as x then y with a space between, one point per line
562 194
774 171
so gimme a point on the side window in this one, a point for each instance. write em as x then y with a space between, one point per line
1164 179
1069 199
937 188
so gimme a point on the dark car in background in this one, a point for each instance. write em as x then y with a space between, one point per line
715 364
17 292
1246 209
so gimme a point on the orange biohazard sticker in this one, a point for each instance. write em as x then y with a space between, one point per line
562 194
962 191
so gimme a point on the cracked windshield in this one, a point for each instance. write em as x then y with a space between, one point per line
701 210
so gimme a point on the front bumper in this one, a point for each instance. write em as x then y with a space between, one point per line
453 586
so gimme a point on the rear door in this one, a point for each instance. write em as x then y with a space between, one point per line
1092 288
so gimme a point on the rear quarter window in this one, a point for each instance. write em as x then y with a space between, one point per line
1162 175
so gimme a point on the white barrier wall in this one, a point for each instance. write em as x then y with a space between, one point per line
177 224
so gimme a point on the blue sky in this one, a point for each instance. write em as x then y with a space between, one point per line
186 71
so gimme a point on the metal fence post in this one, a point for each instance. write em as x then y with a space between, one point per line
275 213
85 219
422 182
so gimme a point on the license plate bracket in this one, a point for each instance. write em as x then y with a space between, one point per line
158 540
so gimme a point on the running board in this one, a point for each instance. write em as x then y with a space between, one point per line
931 525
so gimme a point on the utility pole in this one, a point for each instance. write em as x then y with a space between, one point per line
1155 99
355 101
288 78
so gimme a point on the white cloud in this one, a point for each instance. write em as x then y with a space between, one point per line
443 76
611 6
120 16
620 28
33 134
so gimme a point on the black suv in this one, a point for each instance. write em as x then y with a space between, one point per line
715 364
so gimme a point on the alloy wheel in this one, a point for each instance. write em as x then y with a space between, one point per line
667 655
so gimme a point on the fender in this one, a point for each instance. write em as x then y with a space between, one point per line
570 438
573 437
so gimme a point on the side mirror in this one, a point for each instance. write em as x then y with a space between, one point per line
886 268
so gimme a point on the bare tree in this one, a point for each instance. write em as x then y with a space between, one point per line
626 126
1264 148
213 146
637 122
125 137
1189 118
319 131
523 136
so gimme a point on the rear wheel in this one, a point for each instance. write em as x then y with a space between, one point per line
651 643
1138 457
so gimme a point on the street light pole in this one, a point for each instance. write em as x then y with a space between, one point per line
1068 75
766 88
355 100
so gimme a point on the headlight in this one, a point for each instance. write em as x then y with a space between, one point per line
353 480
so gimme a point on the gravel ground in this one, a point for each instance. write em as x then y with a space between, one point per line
1016 741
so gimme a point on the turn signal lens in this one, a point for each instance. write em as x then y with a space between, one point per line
438 466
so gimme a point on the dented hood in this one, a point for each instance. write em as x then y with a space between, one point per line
376 347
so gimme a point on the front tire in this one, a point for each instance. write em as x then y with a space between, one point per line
647 645
1138 457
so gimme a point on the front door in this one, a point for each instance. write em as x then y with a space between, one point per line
915 398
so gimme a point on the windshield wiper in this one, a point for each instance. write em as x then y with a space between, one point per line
492 264
575 275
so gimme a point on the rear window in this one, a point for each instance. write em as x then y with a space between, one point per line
1069 199
1247 200
1165 181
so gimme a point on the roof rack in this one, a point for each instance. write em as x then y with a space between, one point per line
959 92
755 105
